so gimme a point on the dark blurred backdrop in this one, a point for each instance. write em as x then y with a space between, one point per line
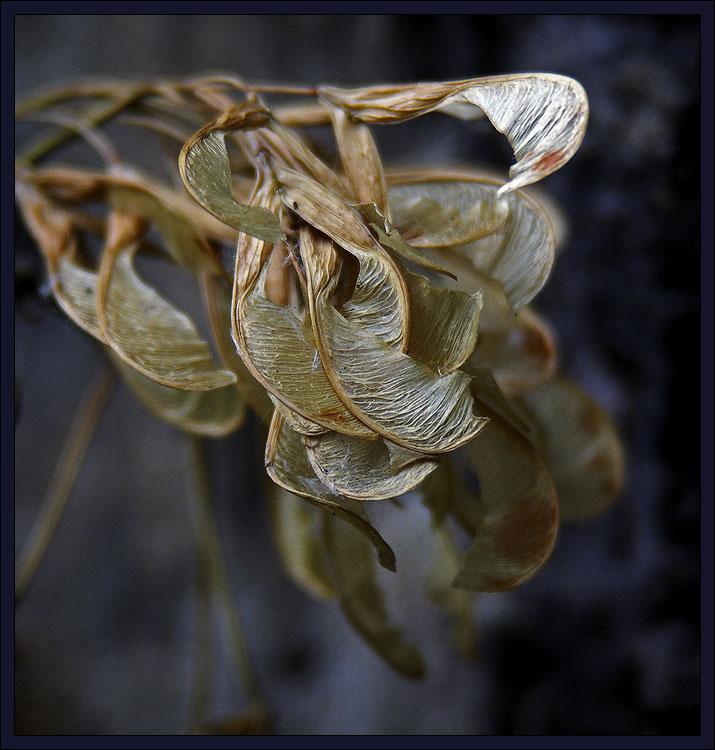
605 640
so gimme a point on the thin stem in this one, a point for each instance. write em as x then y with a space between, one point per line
210 545
95 138
162 128
215 100
301 115
70 461
204 643
45 145
76 90
257 88
270 88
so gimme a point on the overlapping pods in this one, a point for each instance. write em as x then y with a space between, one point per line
378 376
380 321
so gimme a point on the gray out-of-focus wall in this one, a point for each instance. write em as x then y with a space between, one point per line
605 640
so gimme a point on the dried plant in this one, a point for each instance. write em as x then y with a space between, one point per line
378 321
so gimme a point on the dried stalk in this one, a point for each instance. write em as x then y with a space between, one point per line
68 465
210 549
103 115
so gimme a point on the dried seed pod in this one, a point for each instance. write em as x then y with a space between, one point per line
543 116
376 381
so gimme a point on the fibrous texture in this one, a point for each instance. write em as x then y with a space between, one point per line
378 321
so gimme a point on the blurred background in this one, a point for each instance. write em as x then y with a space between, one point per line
605 640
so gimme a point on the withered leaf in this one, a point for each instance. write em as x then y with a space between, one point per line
401 456
542 115
445 492
389 236
517 247
119 309
518 527
295 421
403 177
362 469
395 395
288 142
444 324
160 350
379 302
280 350
519 254
278 346
48 224
149 333
297 531
217 300
149 199
519 349
75 289
288 466
362 599
457 603
436 491
214 413
206 172
580 446
361 160
447 212
487 393
187 245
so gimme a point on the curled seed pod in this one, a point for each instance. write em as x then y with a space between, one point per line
379 321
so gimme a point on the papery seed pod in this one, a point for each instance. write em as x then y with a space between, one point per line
379 321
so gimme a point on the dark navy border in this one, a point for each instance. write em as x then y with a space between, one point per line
8 11
707 375
7 375
362 741
329 7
